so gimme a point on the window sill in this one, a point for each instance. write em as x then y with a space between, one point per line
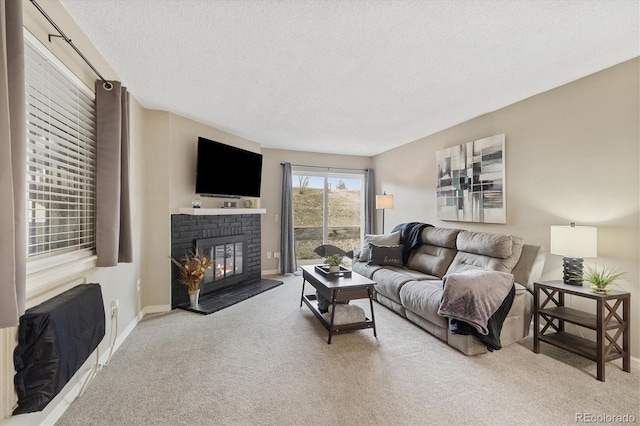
47 280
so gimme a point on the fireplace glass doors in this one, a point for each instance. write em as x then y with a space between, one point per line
228 256
227 260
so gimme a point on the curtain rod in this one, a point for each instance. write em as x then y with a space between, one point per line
107 85
324 167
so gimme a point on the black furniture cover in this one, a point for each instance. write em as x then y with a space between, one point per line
54 339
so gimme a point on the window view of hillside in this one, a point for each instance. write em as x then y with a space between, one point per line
327 210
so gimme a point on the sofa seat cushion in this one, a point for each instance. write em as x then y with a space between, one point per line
520 289
387 271
423 299
369 271
481 250
389 281
365 270
394 306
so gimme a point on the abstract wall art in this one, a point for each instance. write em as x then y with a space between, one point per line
471 181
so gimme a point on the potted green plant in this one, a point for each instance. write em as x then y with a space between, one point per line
334 261
600 279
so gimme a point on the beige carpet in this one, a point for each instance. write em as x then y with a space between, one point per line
265 361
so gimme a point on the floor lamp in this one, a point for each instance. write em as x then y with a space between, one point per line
384 202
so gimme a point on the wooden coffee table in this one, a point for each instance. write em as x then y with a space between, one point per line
338 289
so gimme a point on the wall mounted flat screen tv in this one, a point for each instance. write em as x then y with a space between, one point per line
227 171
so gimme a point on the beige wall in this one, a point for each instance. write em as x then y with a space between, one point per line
184 139
572 154
157 225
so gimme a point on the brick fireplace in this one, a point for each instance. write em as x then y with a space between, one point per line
233 242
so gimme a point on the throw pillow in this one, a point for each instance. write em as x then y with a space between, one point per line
385 255
379 239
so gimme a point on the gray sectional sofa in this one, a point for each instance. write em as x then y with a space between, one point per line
414 288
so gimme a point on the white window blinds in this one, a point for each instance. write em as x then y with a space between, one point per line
61 158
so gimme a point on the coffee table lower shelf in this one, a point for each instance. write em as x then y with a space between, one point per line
337 328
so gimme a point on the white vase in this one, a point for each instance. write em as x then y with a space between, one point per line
194 297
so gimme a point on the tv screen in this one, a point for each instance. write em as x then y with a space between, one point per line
227 171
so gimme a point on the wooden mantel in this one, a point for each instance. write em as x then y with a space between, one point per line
225 211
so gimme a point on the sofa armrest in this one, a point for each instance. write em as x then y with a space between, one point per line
529 266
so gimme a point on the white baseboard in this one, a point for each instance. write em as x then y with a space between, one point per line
154 309
273 272
635 363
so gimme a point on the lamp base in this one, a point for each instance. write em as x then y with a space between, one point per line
572 268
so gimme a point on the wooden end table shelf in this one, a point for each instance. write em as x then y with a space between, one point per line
609 324
338 289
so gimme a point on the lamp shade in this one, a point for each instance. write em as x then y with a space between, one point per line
384 201
574 241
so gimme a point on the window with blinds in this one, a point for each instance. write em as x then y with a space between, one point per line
61 160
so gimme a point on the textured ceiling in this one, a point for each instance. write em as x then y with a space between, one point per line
351 77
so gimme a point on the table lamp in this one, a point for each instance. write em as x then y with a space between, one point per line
574 243
384 202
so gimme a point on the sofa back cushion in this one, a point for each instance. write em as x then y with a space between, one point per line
441 237
392 239
437 251
484 250
485 243
432 260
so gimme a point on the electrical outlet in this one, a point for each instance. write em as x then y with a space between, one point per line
276 255
269 255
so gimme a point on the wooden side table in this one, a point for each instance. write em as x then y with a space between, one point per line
609 324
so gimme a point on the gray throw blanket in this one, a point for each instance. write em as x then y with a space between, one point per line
474 296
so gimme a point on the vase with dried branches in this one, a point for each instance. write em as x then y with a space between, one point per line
192 268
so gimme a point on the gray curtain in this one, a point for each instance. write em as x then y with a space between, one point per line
13 164
113 211
287 240
369 202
